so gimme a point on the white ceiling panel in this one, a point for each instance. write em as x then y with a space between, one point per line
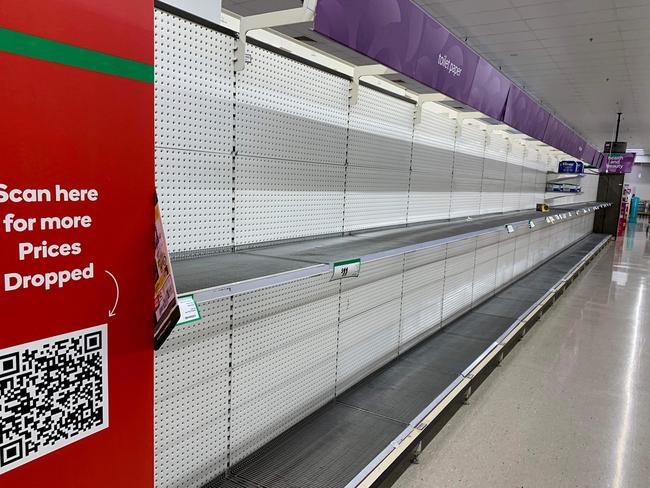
574 7
571 20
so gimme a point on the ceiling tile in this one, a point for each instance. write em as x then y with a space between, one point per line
571 20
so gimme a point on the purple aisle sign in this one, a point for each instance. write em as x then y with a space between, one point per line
402 36
597 159
557 134
618 163
524 114
588 154
489 90
576 145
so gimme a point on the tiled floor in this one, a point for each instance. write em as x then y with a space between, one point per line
570 406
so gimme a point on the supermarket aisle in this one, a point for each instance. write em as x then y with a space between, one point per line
570 407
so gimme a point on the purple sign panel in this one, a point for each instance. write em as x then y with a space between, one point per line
402 36
553 132
489 90
588 154
618 163
576 145
524 114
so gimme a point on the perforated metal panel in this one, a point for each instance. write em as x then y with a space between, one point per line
375 197
379 159
277 199
521 254
429 197
366 342
468 172
459 274
433 158
492 192
494 173
485 268
433 143
381 131
422 293
540 185
535 248
283 359
370 319
379 282
193 133
194 86
514 176
194 190
528 179
505 260
191 393
290 111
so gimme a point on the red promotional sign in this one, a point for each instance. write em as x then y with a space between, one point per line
76 245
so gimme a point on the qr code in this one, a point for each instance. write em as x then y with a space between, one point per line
53 392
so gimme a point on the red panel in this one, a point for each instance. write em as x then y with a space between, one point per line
80 129
119 27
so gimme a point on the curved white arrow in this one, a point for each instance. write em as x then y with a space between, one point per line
111 313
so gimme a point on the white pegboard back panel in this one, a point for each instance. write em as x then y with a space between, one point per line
366 342
485 277
379 282
191 392
257 304
195 194
471 141
433 144
375 198
432 165
521 255
381 131
284 368
496 148
516 153
194 87
290 111
421 311
423 257
505 266
429 197
283 347
277 199
457 294
491 196
465 197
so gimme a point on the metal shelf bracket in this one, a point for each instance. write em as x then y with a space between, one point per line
426 98
266 20
366 70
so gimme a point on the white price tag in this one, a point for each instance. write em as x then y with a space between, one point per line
510 228
531 224
346 269
189 310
